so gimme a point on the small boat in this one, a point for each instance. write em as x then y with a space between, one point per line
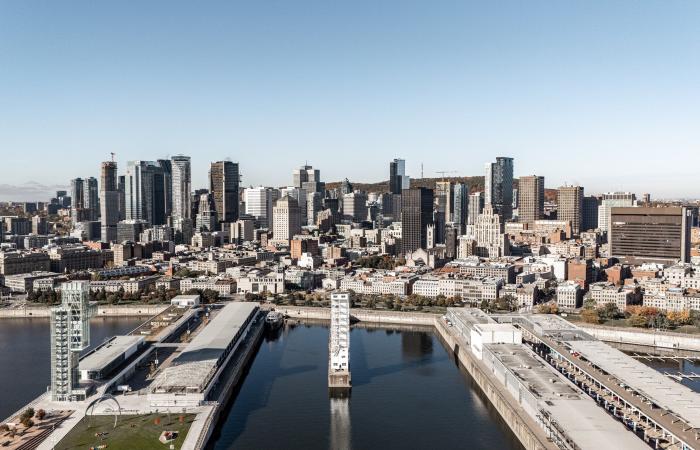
274 320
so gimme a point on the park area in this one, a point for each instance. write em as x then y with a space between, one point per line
131 432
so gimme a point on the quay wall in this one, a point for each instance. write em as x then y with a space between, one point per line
525 429
102 311
530 435
231 380
363 315
647 338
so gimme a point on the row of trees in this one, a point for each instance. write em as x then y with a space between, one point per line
412 302
639 316
149 295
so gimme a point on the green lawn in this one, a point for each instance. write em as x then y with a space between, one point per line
132 432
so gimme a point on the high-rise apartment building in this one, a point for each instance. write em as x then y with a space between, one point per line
460 207
498 187
416 215
163 186
286 219
570 206
223 181
531 193
643 234
476 206
84 200
147 189
109 201
121 186
181 186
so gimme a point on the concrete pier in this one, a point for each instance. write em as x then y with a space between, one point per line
529 433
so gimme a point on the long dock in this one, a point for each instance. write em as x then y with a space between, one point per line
530 435
222 346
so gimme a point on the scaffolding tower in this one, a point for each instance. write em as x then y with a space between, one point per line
339 344
70 334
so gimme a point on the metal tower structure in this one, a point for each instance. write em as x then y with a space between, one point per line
70 334
339 380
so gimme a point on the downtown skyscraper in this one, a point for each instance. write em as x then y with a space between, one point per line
416 215
109 201
181 186
460 207
224 181
147 191
570 206
398 181
531 205
498 187
85 200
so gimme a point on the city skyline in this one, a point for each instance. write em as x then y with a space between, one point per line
35 191
450 86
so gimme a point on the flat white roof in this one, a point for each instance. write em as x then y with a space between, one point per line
576 414
590 427
193 368
110 351
666 393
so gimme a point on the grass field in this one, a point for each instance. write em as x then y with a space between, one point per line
132 432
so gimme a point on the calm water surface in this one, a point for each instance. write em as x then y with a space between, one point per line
24 356
407 394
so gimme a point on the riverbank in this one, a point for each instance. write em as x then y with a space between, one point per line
530 435
665 340
363 315
102 311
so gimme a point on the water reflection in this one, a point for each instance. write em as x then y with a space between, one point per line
416 345
340 424
406 393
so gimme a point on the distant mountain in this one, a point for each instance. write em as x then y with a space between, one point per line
31 191
475 184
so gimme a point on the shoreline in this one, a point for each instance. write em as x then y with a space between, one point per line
44 312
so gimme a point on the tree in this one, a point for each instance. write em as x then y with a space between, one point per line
638 321
588 302
609 311
548 308
590 315
508 303
210 295
677 318
27 413
40 414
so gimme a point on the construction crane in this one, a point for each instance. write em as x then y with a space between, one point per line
444 172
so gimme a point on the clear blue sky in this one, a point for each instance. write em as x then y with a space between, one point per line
601 93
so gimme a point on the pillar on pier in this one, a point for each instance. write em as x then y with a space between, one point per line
339 381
